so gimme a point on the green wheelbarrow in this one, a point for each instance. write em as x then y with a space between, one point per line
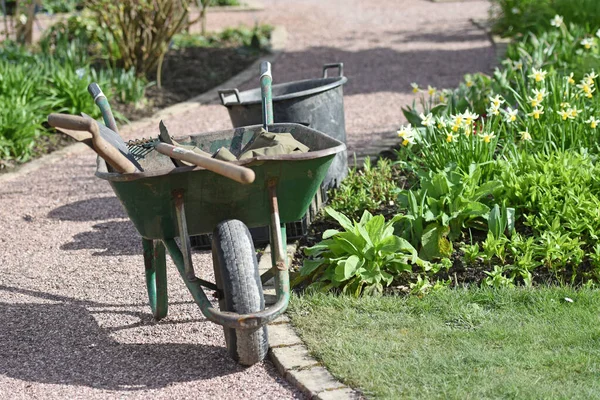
165 203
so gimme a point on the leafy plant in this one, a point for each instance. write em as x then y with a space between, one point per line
501 220
366 189
447 203
256 38
363 258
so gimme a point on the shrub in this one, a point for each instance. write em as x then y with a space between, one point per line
142 29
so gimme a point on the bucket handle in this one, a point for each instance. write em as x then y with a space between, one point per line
224 92
339 66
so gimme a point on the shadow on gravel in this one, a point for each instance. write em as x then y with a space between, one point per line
384 69
62 343
96 209
113 238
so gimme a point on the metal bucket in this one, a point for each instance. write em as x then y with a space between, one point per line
316 103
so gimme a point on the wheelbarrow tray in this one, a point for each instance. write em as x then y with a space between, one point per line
210 198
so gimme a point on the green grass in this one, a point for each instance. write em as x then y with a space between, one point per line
459 344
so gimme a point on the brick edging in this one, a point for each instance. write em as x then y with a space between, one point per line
291 356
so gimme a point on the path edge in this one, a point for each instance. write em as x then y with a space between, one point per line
290 355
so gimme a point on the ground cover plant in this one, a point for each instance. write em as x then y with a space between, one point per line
458 344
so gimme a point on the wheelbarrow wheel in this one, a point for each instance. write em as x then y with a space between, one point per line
237 276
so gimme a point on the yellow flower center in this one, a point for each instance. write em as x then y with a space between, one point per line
593 124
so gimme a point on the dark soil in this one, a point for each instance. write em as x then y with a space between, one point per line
190 72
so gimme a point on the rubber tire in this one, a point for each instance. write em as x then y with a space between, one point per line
237 275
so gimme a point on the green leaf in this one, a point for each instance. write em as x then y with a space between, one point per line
329 233
395 244
319 248
375 228
340 218
366 217
435 243
350 266
486 189
309 266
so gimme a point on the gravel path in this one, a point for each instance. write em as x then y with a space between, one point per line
72 298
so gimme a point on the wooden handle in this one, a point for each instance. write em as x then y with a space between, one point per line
236 172
74 122
108 152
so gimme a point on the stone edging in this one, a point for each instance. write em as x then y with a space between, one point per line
291 356
278 42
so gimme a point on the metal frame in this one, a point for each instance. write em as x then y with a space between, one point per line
156 278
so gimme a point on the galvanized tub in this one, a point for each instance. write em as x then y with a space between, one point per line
316 103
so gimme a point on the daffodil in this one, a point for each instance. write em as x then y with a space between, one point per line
440 123
449 137
565 105
469 117
586 88
510 115
525 136
533 101
496 100
538 74
573 112
426 120
492 110
593 122
557 21
431 90
415 88
541 94
564 114
589 78
405 131
587 43
487 137
537 111
408 140
518 65
570 79
468 81
457 119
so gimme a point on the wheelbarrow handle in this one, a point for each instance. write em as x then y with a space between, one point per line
339 66
232 171
107 151
73 122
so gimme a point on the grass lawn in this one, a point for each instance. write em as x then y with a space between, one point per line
459 344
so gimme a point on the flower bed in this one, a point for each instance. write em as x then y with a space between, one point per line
507 183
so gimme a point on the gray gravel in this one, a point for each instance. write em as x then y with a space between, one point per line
72 299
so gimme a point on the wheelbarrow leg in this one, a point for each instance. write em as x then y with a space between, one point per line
277 239
156 277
